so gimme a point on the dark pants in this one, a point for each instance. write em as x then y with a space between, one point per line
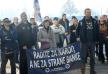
72 38
107 50
61 41
59 45
97 49
4 58
85 48
67 42
101 54
17 57
23 62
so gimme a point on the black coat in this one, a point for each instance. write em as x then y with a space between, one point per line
72 34
12 25
8 38
34 34
82 31
25 37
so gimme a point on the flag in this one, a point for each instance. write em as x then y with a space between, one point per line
37 13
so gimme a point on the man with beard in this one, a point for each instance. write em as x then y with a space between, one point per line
87 32
25 39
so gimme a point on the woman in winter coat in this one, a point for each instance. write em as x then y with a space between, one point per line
46 36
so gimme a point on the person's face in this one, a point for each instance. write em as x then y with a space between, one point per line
46 18
88 13
6 23
24 17
46 24
55 22
64 17
15 20
32 21
101 20
75 21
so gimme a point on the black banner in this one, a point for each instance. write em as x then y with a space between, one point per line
54 60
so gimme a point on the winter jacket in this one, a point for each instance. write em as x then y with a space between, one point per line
9 42
47 36
59 32
81 31
25 37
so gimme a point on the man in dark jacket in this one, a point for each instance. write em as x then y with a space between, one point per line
34 27
25 39
9 44
87 31
14 25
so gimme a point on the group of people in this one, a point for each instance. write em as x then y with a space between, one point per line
16 38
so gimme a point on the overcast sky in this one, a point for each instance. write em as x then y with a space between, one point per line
10 8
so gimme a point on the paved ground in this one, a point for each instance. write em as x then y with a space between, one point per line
100 69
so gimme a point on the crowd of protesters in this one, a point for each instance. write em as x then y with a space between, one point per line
17 37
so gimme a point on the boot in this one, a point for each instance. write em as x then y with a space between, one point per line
83 69
92 72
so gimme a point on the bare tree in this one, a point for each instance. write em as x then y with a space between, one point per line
69 8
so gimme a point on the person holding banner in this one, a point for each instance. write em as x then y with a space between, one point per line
25 40
46 36
87 33
9 44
